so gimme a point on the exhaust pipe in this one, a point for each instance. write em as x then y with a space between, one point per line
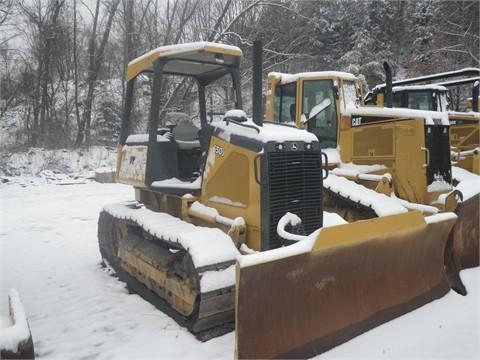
257 100
475 94
388 80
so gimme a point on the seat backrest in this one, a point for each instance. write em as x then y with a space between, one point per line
185 131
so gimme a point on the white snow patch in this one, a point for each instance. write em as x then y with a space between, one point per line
266 133
471 115
214 280
207 246
288 78
431 117
333 156
332 219
182 48
223 200
18 332
179 184
143 138
415 206
244 249
440 217
48 236
300 247
468 182
289 219
382 204
419 87
469 187
235 113
361 168
439 184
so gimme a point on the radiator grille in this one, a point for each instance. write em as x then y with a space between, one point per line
295 185
438 143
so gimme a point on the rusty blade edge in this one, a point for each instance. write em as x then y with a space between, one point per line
328 342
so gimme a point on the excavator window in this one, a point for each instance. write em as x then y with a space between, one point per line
324 124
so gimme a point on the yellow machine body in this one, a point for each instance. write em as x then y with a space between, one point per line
366 137
201 240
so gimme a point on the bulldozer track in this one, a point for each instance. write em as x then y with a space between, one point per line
213 312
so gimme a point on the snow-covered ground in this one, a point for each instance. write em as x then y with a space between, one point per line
49 253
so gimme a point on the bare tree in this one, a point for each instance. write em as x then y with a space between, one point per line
96 54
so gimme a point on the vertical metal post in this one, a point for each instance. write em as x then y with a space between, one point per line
202 105
475 94
388 80
153 121
257 100
127 110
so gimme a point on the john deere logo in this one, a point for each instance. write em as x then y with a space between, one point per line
294 146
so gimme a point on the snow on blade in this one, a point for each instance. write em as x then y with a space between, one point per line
440 217
12 336
332 219
468 183
207 246
469 187
299 247
460 174
380 203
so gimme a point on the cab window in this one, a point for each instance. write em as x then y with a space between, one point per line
323 124
350 94
285 103
421 100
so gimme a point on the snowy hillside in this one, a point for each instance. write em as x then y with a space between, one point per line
76 309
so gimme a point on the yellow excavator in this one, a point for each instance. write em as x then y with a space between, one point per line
402 153
431 92
228 223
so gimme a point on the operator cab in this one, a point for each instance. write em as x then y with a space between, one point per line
321 94
162 150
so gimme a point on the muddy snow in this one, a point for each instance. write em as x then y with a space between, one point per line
77 310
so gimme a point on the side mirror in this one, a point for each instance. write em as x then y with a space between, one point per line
317 109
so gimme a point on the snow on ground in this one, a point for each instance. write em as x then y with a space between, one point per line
49 253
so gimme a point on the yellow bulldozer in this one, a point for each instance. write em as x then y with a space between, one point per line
432 92
228 223
401 153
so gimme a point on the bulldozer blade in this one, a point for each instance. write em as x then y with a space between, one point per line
466 242
299 301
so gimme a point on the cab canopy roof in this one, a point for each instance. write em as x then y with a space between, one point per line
288 78
198 59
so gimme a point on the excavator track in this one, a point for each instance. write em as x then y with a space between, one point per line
162 272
